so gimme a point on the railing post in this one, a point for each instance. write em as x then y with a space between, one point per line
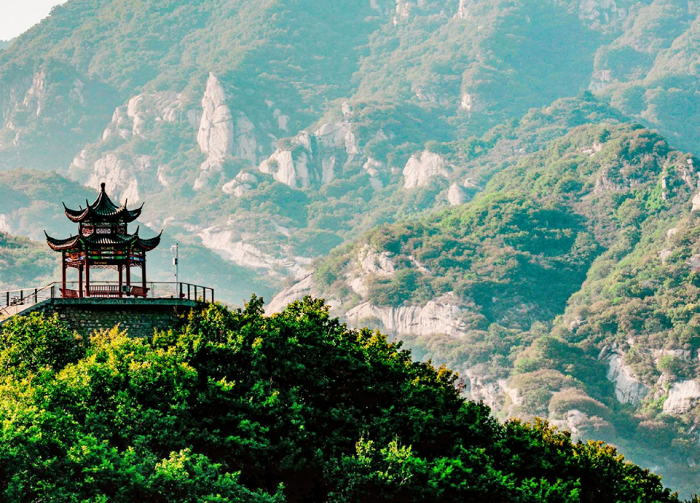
36 295
188 291
21 296
180 291
8 299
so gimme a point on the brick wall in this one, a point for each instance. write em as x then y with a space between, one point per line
139 317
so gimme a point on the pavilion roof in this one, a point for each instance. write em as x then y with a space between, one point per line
103 210
103 241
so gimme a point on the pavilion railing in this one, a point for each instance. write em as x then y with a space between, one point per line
14 301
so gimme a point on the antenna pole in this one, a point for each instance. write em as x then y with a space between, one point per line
175 250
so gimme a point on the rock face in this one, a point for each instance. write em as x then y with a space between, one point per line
299 290
290 166
373 262
373 168
241 184
442 315
467 102
312 158
215 136
682 397
128 121
119 176
421 169
242 250
628 388
696 202
456 195
463 10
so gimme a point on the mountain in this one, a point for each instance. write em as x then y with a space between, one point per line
4 44
21 259
566 290
507 186
271 132
233 406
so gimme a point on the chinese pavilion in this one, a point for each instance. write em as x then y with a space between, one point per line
103 242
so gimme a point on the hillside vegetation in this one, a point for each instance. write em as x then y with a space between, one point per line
345 94
598 228
22 260
236 406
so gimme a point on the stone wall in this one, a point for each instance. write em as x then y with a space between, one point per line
139 317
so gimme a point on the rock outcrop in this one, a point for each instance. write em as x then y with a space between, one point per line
311 158
482 388
682 397
121 175
421 169
601 11
215 136
456 195
443 315
376 263
628 388
299 290
245 251
129 120
463 10
290 165
241 184
374 168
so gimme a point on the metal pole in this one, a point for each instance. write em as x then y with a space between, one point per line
175 250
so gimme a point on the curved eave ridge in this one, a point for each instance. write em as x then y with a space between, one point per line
150 244
75 215
61 244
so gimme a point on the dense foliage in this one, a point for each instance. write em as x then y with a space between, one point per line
236 406
20 259
597 227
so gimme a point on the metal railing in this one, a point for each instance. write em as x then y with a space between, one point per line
15 301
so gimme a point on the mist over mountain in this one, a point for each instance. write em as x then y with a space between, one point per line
510 187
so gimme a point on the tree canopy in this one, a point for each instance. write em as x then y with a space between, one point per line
234 405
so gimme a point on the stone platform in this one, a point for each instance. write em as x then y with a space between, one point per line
139 317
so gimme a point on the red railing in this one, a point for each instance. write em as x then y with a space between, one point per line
13 301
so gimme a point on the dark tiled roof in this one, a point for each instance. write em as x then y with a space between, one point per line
103 210
93 241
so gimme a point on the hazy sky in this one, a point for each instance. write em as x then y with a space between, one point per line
17 16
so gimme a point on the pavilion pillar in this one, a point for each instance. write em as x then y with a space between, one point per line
87 277
143 273
80 280
121 281
128 275
63 274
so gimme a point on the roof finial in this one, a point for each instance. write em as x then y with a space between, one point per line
103 186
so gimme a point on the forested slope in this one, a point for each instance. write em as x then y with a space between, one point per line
566 289
236 406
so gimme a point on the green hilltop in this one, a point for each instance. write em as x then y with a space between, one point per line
236 406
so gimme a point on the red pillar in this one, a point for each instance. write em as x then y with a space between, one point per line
143 273
80 280
87 277
121 269
128 275
63 274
